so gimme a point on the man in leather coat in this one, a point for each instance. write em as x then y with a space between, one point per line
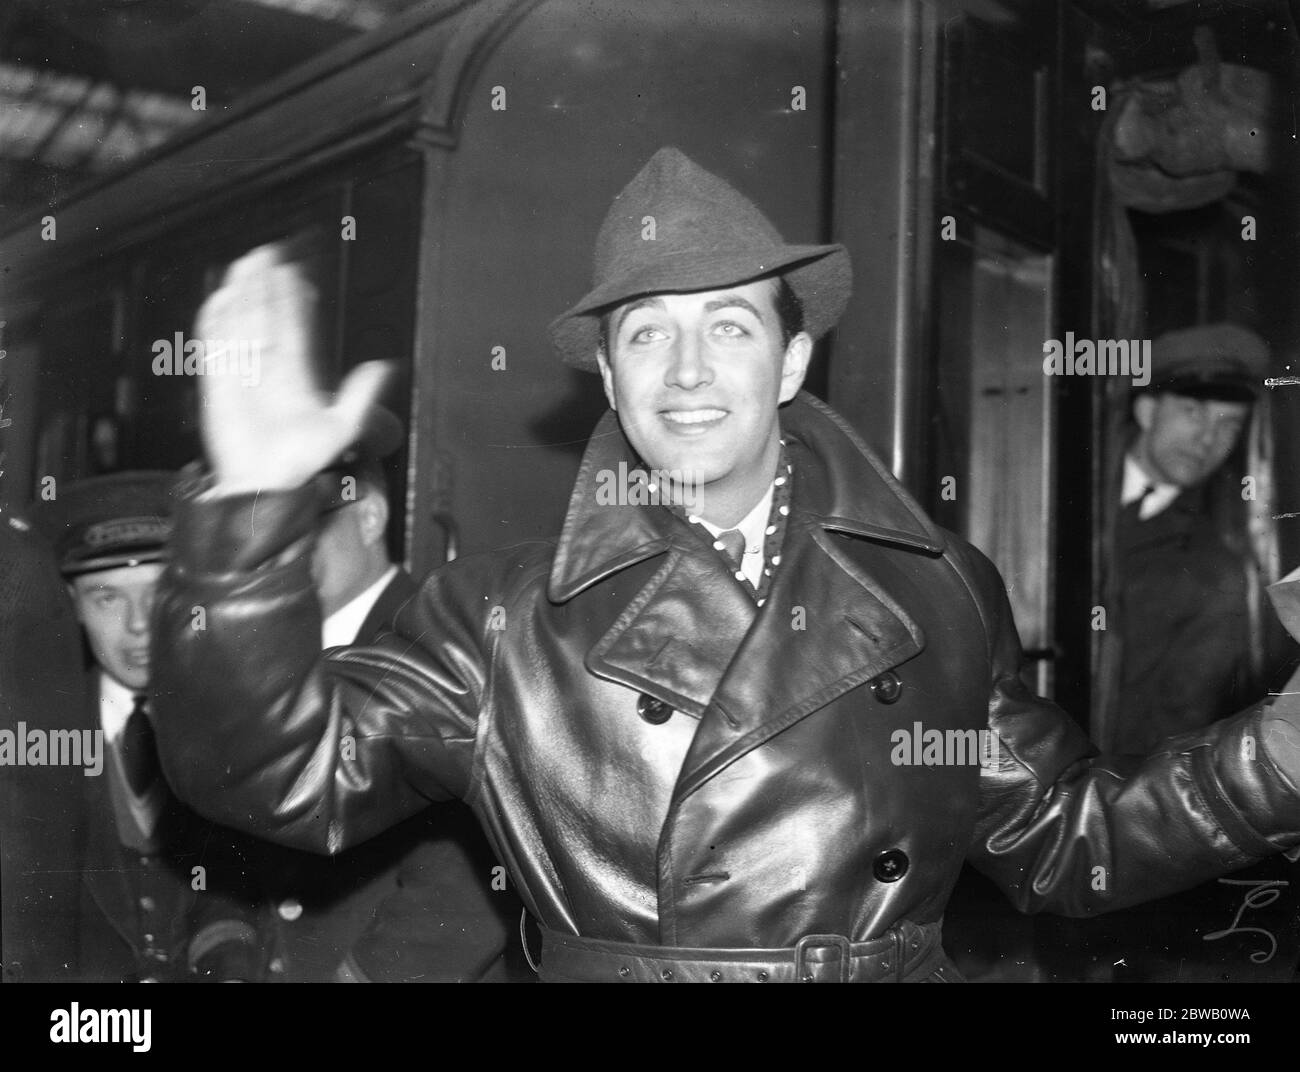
744 719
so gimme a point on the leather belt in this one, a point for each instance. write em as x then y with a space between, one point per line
906 952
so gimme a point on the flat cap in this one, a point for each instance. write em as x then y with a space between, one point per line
106 522
1223 361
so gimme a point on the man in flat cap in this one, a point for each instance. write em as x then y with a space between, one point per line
414 903
164 894
744 719
1184 609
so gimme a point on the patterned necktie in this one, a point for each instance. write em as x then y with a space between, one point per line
139 753
732 544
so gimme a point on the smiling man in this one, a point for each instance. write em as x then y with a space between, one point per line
674 725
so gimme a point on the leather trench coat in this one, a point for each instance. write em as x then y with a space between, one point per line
656 759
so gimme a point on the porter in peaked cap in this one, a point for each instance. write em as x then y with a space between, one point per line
1220 361
706 235
107 522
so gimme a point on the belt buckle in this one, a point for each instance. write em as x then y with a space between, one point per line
806 971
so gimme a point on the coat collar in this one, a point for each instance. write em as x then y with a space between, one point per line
842 485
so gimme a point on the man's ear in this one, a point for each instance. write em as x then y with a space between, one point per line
1144 409
373 516
794 367
76 601
606 377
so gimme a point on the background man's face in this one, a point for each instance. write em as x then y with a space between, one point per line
349 550
696 380
114 607
1184 440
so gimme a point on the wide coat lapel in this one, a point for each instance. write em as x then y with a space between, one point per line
827 625
693 637
676 636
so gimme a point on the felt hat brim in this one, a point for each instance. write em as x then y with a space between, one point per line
820 276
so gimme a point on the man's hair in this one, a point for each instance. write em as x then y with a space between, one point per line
789 311
370 473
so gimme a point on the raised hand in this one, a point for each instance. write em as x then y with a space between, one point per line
276 428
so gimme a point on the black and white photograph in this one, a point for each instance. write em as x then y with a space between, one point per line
647 491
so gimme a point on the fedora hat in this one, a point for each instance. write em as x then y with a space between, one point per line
700 234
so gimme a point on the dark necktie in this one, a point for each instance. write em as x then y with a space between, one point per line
139 753
1132 512
732 544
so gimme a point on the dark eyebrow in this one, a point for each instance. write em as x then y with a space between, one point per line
726 301
640 303
729 300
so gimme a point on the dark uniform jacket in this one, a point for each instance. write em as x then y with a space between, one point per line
414 903
771 804
1186 621
78 903
181 906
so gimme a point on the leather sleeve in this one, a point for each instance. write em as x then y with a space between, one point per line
261 731
1063 829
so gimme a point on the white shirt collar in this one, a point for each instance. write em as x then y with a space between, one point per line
753 526
342 626
1136 482
115 704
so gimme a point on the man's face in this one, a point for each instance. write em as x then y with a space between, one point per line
350 551
114 607
696 380
1184 440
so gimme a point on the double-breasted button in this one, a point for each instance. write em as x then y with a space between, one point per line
653 710
891 866
887 687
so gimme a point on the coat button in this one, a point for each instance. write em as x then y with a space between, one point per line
289 909
147 903
654 711
887 687
891 866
